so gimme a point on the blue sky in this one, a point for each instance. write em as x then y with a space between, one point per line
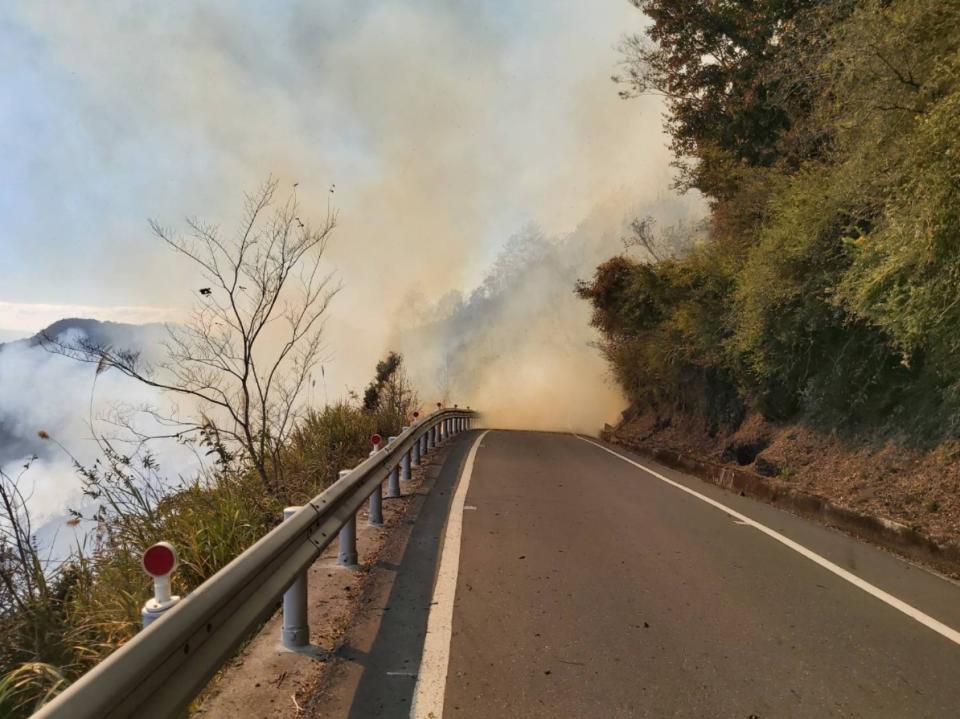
446 127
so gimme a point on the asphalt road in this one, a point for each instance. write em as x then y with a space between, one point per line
587 587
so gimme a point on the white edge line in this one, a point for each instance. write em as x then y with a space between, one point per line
432 676
939 627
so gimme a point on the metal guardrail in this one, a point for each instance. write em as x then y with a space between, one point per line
163 668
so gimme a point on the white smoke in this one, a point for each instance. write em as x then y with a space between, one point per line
42 391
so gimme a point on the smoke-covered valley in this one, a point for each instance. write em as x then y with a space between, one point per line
518 346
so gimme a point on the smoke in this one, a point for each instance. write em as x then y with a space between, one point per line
519 347
67 400
445 126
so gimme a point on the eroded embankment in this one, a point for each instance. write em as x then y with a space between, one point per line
905 499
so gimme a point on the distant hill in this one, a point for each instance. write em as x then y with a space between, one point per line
114 334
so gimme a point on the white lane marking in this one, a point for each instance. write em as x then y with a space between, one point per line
939 627
470 507
432 677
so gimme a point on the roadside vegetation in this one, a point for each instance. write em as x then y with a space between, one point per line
239 365
58 621
825 137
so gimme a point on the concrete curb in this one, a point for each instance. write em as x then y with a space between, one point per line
910 542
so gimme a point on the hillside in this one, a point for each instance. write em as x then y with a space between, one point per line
819 320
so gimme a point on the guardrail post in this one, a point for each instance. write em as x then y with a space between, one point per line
375 511
393 479
417 445
431 438
295 632
347 556
405 462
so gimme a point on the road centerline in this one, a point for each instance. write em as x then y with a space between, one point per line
432 676
926 620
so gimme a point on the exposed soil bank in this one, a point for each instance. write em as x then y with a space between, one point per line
905 499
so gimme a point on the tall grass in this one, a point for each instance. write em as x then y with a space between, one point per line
57 622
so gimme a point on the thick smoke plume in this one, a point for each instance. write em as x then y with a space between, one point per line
519 347
438 129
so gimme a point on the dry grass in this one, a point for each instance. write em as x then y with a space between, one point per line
55 623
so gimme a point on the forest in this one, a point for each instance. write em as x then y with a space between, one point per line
824 136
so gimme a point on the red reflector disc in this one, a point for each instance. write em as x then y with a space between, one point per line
376 439
159 559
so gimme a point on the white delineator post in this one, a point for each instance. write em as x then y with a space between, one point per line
375 513
295 630
393 479
159 561
347 556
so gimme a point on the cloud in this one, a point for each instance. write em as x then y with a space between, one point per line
28 319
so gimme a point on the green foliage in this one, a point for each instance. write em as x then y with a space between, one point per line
386 370
826 136
709 61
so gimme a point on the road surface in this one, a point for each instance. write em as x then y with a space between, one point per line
585 586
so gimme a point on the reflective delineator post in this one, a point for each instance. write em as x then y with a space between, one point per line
347 556
159 561
393 479
375 512
295 631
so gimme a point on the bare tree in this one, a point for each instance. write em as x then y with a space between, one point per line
254 333
642 229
